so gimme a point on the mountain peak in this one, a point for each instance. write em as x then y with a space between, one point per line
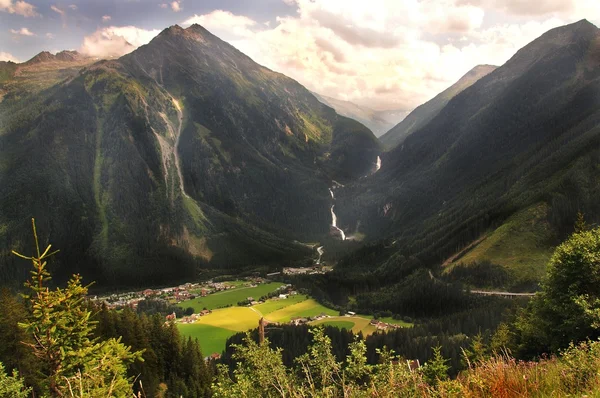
172 30
69 56
44 56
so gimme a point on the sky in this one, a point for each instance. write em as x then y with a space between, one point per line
384 54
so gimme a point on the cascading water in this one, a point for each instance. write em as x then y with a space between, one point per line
378 164
320 251
334 223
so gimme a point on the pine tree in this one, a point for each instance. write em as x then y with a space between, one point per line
12 386
74 363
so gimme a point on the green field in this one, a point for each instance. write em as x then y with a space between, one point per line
230 297
212 339
302 310
277 304
213 330
359 324
339 324
398 322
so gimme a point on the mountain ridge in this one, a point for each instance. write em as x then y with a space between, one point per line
427 111
518 137
180 156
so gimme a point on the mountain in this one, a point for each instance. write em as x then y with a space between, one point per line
379 122
426 112
182 156
500 172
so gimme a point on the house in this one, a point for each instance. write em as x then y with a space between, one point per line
298 321
283 296
171 317
250 299
215 356
351 313
148 292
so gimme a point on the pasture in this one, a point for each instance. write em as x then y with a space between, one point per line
230 297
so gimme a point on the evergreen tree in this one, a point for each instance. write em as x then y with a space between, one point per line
12 386
72 361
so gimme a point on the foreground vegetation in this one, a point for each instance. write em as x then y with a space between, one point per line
55 343
260 371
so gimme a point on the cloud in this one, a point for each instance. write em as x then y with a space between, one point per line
7 57
176 6
19 7
106 18
22 32
115 41
57 10
525 8
73 7
388 54
163 5
220 21
50 36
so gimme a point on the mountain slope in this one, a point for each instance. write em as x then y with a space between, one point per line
426 112
526 134
184 154
379 122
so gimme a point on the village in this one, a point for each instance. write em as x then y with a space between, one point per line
175 294
216 309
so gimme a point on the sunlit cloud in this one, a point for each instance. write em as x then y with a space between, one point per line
115 41
22 32
4 56
19 8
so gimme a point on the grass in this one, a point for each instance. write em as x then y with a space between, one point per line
522 245
230 297
238 319
211 338
213 330
277 304
359 324
303 309
398 322
339 324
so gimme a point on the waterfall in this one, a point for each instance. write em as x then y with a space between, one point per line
378 164
331 192
320 251
334 223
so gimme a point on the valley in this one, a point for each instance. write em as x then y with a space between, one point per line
226 230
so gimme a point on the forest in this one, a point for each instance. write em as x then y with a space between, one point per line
56 342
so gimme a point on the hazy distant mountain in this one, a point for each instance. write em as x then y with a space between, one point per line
184 154
379 122
512 157
424 113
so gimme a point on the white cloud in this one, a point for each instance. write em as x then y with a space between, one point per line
7 57
73 7
57 10
176 6
50 36
220 21
115 41
163 5
22 32
389 53
106 18
19 7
